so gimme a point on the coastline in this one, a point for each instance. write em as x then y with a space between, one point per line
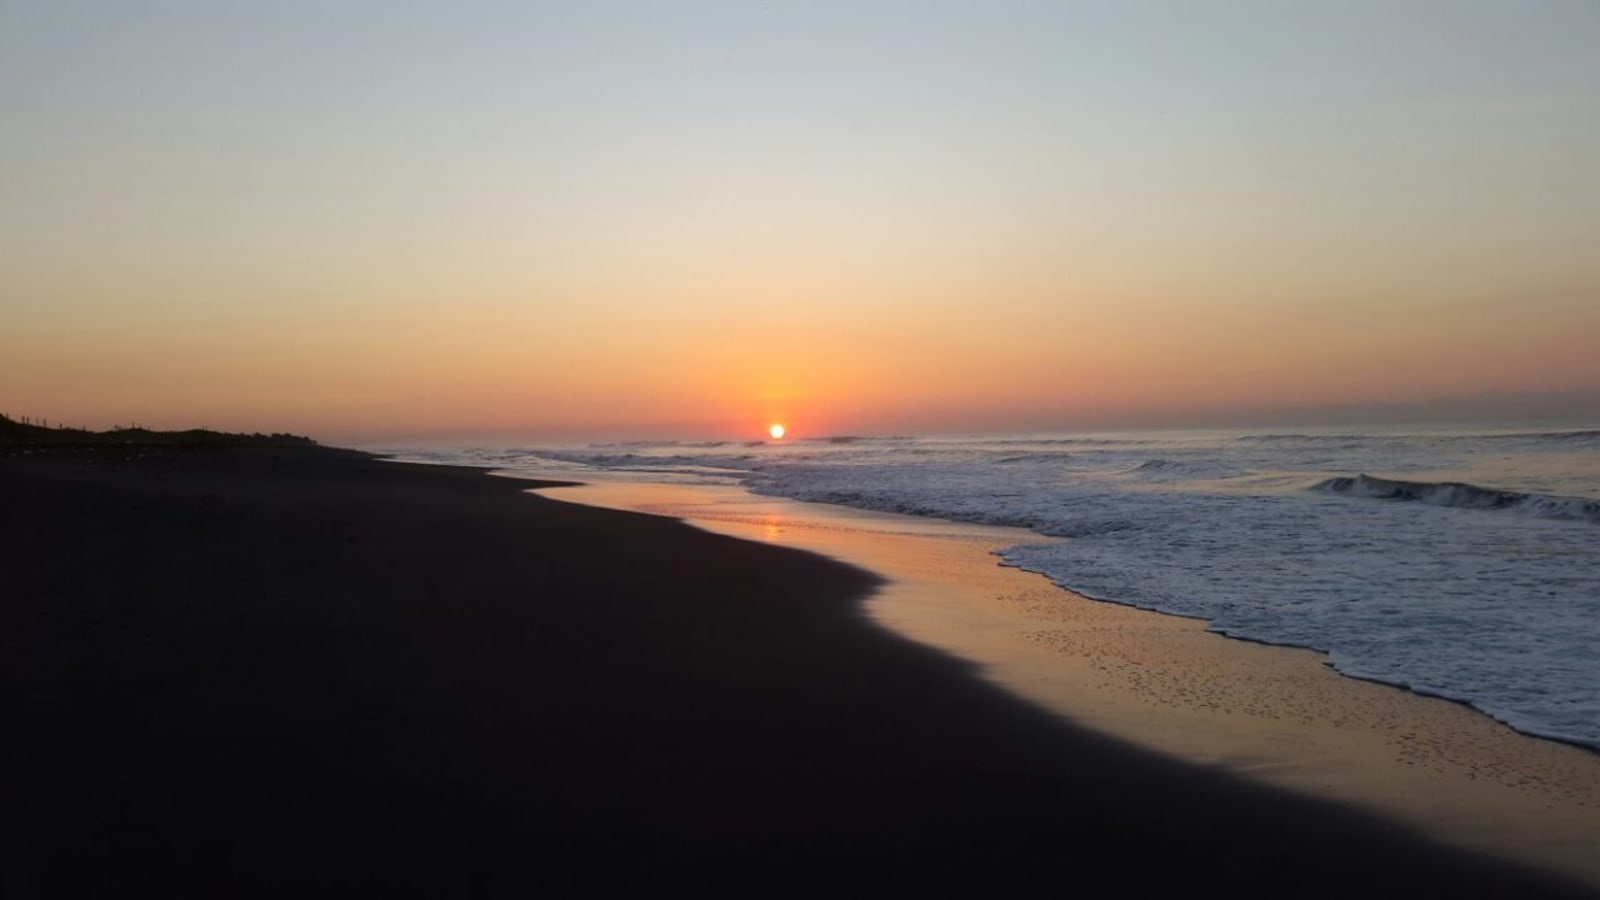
1279 715
243 671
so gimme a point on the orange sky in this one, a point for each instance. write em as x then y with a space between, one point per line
497 221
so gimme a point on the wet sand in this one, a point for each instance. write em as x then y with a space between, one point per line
250 672
1273 714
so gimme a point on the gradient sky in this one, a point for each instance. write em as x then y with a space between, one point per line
364 221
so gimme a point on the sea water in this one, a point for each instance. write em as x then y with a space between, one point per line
1460 563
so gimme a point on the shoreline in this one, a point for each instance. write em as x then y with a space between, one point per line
1435 763
245 672
1324 655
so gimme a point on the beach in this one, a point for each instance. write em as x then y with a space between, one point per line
246 670
1280 715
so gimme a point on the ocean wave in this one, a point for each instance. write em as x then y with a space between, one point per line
877 501
1575 436
1056 456
647 461
1581 435
1292 437
1080 442
1462 496
1196 469
1155 465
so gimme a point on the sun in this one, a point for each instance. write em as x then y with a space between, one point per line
777 431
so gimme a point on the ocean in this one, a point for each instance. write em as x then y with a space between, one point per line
1462 563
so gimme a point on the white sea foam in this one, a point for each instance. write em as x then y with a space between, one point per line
1490 596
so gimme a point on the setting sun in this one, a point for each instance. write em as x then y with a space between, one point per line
777 431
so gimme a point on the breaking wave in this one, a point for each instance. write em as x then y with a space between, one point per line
1463 496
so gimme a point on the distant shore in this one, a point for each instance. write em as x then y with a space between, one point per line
278 667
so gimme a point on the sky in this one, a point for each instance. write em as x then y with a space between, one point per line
374 221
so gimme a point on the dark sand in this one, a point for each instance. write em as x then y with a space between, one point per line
233 670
